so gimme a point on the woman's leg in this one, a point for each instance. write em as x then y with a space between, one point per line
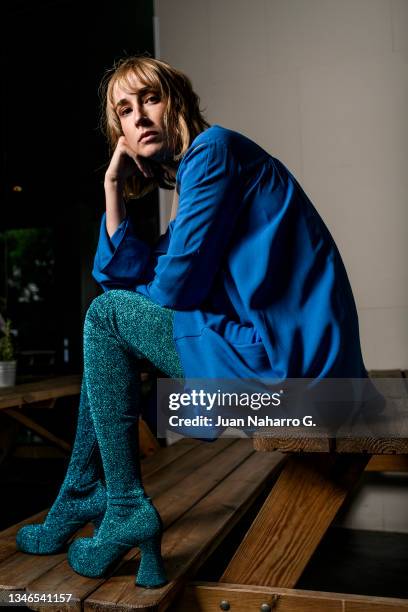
82 497
121 325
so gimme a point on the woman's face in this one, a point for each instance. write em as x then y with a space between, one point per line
141 112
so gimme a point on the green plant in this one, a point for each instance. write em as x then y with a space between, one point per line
6 343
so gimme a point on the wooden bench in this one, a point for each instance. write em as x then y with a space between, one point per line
202 490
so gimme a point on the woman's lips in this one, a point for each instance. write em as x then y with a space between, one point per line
148 136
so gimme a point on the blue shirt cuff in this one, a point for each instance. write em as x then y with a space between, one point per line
117 237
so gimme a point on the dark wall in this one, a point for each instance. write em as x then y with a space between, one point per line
53 58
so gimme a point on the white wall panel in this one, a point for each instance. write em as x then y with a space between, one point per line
323 86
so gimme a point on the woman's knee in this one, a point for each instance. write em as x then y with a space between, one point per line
95 307
107 306
99 309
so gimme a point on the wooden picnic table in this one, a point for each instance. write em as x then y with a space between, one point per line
202 490
43 394
315 482
40 390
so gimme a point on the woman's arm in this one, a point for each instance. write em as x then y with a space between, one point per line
124 261
115 205
122 165
121 257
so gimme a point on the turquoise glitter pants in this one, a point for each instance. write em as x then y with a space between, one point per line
137 327
120 328
126 326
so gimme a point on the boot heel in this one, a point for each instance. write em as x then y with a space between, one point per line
151 574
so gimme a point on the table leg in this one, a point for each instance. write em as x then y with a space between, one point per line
294 518
38 429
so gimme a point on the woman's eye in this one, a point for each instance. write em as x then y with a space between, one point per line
153 99
124 111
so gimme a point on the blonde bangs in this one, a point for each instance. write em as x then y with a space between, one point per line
144 74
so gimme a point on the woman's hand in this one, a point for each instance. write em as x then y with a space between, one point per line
123 162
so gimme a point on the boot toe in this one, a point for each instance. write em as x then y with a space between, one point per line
38 540
30 538
83 558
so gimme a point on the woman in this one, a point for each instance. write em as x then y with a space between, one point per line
246 282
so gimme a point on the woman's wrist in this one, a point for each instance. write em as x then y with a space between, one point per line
113 220
113 183
115 205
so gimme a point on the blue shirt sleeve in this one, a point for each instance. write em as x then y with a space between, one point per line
120 261
209 203
117 237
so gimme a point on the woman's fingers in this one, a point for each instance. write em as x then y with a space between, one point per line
143 165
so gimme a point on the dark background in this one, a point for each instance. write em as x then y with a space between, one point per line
53 57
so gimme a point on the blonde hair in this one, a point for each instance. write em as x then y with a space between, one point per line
182 119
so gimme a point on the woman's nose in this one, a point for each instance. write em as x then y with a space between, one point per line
140 116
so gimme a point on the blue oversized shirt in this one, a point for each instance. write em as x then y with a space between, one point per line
254 275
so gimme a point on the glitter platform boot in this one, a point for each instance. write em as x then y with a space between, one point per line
111 372
81 499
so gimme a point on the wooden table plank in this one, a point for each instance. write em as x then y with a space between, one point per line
294 518
190 540
372 446
388 463
41 390
291 445
206 597
166 455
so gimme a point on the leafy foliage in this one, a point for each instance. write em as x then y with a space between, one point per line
6 344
